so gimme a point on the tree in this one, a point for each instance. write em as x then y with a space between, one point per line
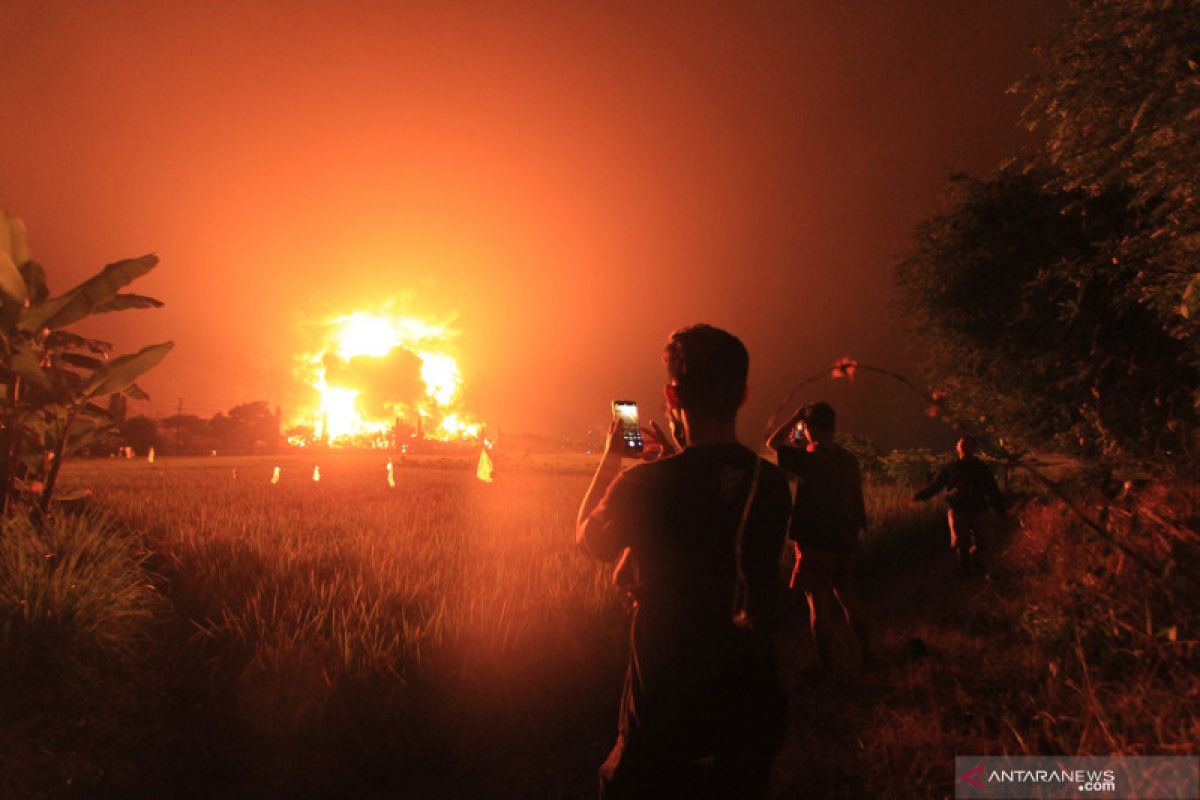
1118 96
140 433
188 433
1058 300
50 377
259 426
1035 331
246 427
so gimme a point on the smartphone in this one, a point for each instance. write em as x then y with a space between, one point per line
631 430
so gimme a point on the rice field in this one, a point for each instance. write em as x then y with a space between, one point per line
218 634
389 575
346 608
442 637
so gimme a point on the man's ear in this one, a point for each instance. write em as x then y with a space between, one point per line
671 395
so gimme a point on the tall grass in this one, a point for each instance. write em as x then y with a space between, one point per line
346 636
76 600
1065 647
80 623
399 623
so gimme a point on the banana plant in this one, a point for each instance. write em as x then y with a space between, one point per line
51 378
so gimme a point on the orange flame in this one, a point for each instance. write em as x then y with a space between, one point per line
364 343
486 470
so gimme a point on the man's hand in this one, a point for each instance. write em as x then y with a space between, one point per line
658 444
614 443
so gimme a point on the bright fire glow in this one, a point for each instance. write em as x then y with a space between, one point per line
383 377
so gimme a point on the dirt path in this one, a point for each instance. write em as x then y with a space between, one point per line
839 721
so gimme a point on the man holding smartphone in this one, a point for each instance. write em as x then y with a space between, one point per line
828 516
702 708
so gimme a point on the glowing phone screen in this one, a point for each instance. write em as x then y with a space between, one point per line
631 431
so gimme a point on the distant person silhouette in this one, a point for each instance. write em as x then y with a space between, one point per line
702 711
970 489
827 517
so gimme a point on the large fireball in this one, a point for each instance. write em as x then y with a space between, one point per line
380 377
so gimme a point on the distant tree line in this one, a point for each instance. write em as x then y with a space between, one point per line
1057 301
247 428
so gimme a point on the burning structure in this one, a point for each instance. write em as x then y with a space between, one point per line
380 380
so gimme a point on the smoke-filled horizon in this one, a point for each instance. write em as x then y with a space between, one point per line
567 182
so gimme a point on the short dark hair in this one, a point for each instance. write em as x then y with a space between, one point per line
708 367
820 417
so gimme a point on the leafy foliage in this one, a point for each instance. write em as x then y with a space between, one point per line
140 433
1057 300
1118 95
51 379
1032 328
247 428
870 456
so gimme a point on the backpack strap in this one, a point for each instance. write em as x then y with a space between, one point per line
740 589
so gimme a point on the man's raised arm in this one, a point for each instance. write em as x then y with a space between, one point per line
779 436
593 534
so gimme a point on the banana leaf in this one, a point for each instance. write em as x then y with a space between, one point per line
35 281
135 392
120 373
66 340
124 301
13 252
80 360
25 364
69 308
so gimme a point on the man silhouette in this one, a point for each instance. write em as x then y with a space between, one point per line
702 708
970 489
828 515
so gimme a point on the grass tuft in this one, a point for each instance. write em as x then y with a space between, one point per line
76 601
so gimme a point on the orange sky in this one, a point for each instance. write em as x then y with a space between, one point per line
574 180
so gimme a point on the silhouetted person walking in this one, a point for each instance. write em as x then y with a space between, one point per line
827 517
970 489
702 712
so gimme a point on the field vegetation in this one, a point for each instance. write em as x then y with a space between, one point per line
346 632
203 632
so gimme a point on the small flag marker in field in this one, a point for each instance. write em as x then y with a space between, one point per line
275 476
317 473
391 476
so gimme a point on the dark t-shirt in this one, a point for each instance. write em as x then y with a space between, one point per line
680 517
969 484
829 510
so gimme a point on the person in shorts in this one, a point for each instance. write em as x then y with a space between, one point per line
827 517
